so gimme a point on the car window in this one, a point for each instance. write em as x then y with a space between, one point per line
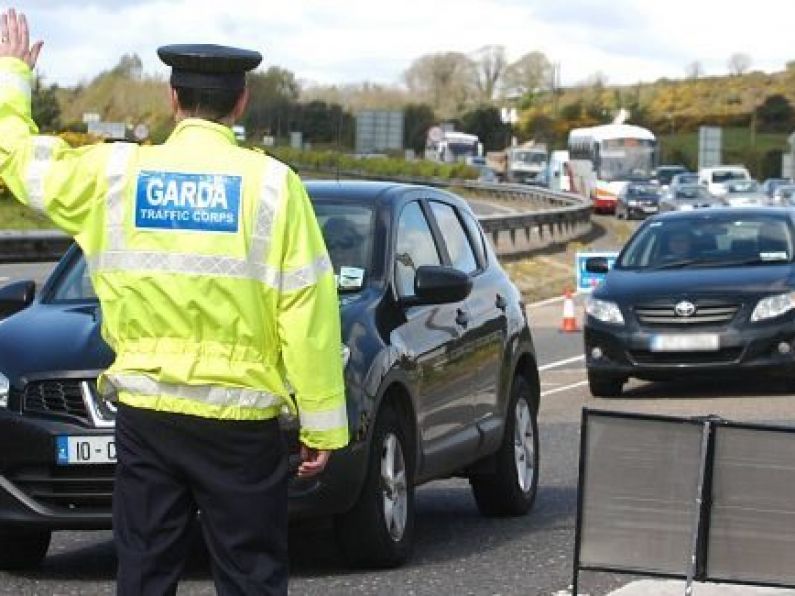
458 246
712 241
415 247
74 283
476 235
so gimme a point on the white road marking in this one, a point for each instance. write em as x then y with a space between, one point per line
560 362
564 388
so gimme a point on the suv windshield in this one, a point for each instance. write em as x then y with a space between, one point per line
724 240
726 175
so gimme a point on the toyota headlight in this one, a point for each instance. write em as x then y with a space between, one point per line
5 387
604 310
773 306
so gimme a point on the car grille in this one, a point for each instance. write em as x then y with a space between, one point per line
706 314
62 397
86 488
724 356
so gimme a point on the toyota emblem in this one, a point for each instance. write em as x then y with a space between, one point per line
684 309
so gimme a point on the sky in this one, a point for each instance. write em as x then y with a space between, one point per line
352 41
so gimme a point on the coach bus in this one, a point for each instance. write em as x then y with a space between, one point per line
603 159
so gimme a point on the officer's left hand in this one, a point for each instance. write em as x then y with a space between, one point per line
15 38
313 461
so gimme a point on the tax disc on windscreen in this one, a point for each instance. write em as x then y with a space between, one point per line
141 132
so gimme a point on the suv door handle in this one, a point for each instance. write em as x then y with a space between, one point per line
501 303
462 317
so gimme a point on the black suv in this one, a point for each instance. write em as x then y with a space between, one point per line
440 373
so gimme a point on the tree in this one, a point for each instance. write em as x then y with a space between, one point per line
274 95
485 122
490 63
442 80
417 119
775 114
739 63
529 73
45 107
694 70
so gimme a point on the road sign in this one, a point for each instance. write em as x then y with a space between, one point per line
587 281
109 130
710 151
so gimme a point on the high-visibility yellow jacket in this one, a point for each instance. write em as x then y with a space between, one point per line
217 292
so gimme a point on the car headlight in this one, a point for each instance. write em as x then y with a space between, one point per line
604 310
5 387
632 203
773 306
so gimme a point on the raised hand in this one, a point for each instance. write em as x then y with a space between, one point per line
15 38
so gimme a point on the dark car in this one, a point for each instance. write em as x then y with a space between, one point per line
440 374
664 174
704 292
638 199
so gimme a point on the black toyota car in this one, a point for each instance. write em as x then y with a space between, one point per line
440 373
701 292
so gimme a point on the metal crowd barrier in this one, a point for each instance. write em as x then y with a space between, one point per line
542 217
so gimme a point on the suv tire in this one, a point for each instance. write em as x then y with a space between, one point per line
22 549
378 531
511 488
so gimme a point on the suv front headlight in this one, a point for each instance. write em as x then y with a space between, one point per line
604 310
773 306
5 387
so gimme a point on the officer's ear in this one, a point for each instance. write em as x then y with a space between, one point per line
174 100
240 105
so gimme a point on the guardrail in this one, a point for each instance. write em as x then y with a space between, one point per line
543 217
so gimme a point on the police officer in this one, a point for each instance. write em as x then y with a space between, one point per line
219 301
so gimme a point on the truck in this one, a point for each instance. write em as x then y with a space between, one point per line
521 164
451 146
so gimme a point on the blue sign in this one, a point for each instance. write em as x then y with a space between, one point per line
62 449
182 201
587 281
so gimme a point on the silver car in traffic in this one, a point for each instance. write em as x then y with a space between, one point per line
685 197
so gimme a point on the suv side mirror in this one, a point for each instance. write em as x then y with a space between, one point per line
15 297
596 265
438 285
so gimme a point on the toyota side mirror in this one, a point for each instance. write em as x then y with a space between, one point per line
438 285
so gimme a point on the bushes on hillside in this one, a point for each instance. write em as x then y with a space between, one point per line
377 166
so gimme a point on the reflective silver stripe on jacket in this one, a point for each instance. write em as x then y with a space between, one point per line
325 420
18 82
208 394
119 159
216 266
40 163
273 187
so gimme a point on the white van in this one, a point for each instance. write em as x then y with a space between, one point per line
714 178
558 172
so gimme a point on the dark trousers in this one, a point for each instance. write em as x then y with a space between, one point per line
234 473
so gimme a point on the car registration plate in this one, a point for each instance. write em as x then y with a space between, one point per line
92 449
685 342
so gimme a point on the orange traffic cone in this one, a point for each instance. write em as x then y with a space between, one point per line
569 324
